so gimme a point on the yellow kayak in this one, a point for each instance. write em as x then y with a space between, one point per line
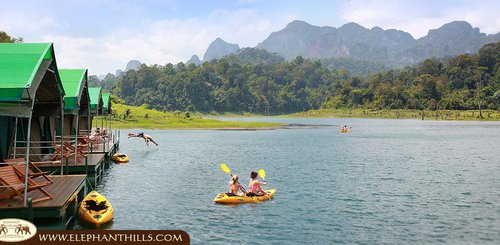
95 209
119 158
344 131
223 198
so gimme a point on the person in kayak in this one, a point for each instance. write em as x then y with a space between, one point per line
254 185
146 137
235 186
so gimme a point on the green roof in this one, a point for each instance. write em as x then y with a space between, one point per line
106 103
95 98
22 68
73 81
19 64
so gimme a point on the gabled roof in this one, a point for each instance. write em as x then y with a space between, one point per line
24 68
74 82
106 103
95 100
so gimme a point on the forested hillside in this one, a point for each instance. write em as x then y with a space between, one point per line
256 82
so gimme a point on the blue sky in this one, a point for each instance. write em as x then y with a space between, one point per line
103 35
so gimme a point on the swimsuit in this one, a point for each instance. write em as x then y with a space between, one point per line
254 189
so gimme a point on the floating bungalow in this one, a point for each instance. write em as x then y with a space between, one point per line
96 105
112 144
31 107
50 153
83 150
76 101
76 111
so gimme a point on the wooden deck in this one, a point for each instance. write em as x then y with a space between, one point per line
93 165
67 190
103 147
94 170
92 160
64 189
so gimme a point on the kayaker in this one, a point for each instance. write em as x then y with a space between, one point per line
254 186
235 186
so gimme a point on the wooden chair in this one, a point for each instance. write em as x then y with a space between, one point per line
33 170
57 152
71 148
83 140
10 178
84 143
96 139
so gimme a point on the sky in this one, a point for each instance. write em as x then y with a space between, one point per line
103 35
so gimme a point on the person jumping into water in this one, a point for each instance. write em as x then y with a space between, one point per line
146 137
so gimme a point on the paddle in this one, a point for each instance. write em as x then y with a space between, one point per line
262 174
227 170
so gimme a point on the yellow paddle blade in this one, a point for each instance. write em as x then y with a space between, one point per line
262 173
225 168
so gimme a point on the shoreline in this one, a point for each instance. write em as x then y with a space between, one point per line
424 115
129 117
285 126
429 115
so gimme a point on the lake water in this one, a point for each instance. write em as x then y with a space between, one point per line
387 181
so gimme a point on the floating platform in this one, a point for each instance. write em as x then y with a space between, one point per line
93 165
57 213
68 190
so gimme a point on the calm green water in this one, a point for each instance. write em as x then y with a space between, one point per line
388 181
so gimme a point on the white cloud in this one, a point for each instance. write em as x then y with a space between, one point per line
163 41
486 17
15 23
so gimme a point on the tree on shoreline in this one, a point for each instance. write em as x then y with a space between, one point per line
234 84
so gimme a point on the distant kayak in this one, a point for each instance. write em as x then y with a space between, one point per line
95 209
223 198
345 129
119 158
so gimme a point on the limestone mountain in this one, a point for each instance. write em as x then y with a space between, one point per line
219 48
194 60
391 47
119 72
351 40
454 38
133 65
